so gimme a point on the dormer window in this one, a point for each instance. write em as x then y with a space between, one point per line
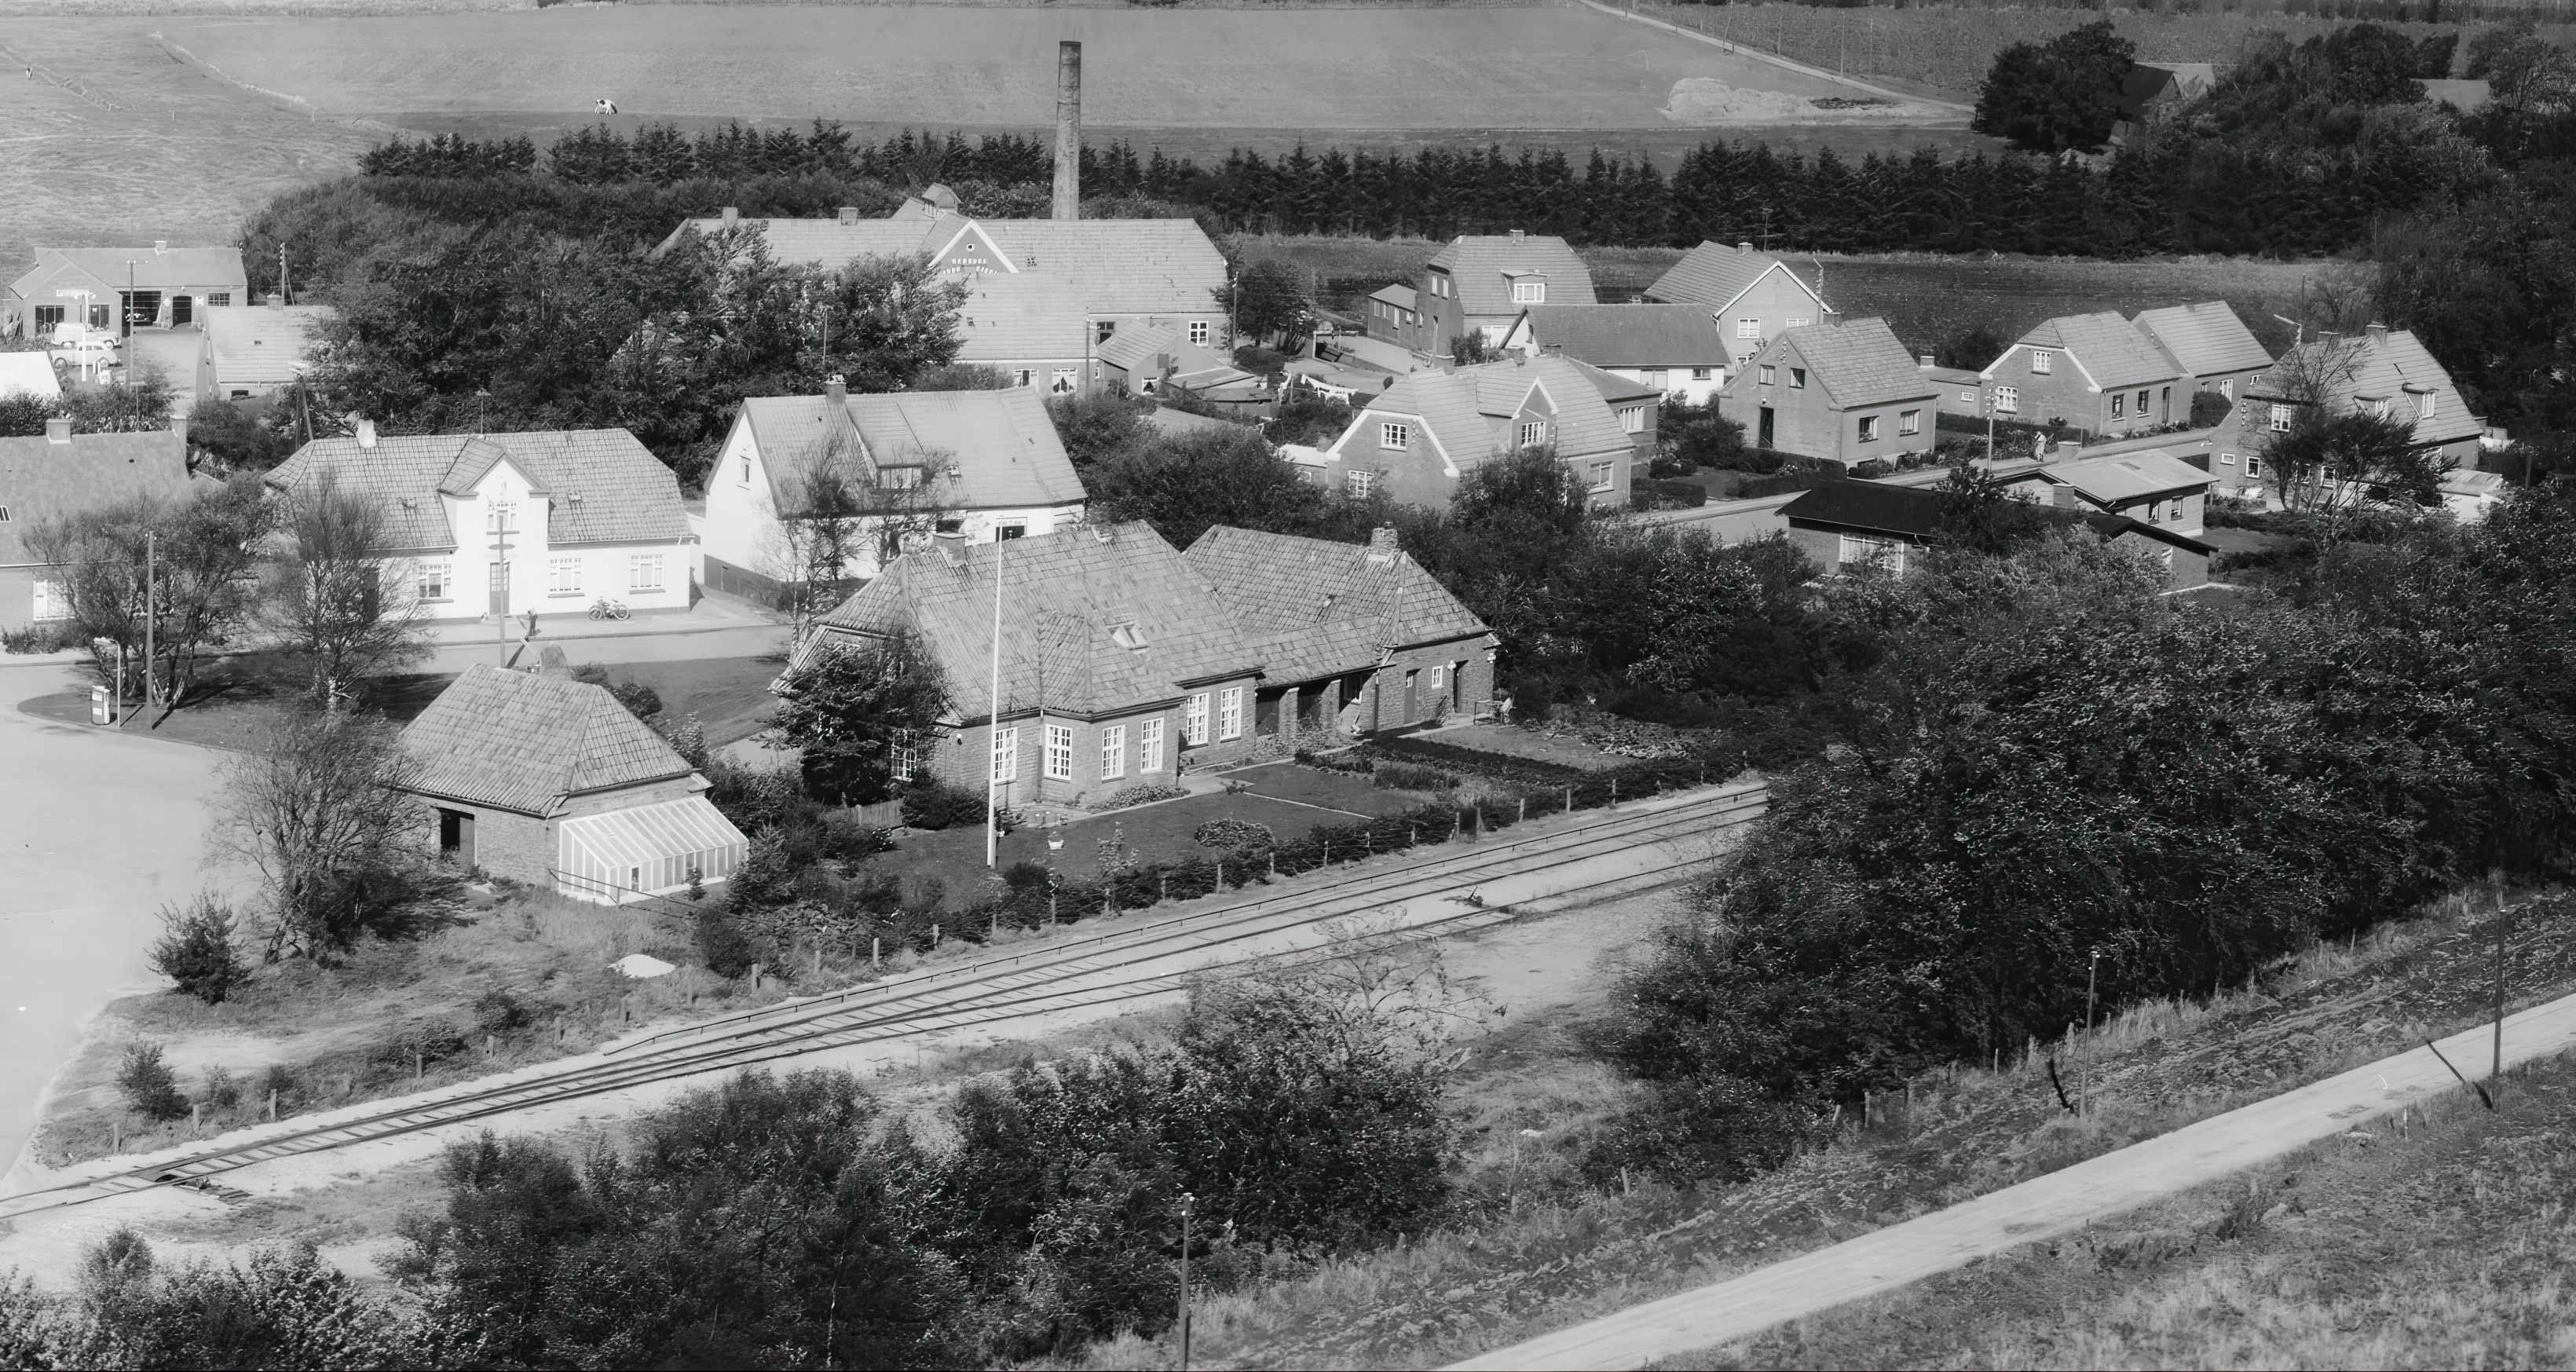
1529 292
1533 433
2423 410
2041 360
1126 635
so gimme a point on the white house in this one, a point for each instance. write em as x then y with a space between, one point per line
503 524
984 464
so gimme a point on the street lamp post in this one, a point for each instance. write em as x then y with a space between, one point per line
993 723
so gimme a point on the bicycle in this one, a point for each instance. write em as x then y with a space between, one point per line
605 608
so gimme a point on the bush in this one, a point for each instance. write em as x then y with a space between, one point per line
727 950
1231 833
196 948
2209 409
935 804
36 638
1722 1129
1404 776
1142 793
150 1087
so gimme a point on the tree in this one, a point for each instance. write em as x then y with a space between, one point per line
849 510
196 948
1183 484
2333 459
196 555
1472 348
851 709
339 599
23 415
315 808
286 1308
149 1087
2060 95
138 402
1272 301
1978 512
1097 426
1308 416
238 440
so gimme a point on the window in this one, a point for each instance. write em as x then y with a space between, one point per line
1797 378
1358 485
2117 400
1860 551
1194 712
1061 383
2253 465
496 576
1968 398
2227 459
1700 373
2280 419
437 579
1869 428
1793 323
1769 375
52 601
1436 678
2141 403
2227 390
899 478
1910 422
1529 292
1229 713
1652 376
1605 477
1101 329
1113 751
501 517
743 476
1059 752
2041 360
48 318
1632 420
2424 405
1012 528
905 758
1199 332
1533 432
1748 328
1396 436
1027 376
219 297
1149 746
1006 755
644 572
563 576
2007 400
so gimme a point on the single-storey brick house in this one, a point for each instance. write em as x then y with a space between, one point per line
549 781
1753 295
2152 487
58 474
2383 370
2093 372
1849 392
1123 659
1480 283
1673 349
2214 349
1417 437
1394 316
548 521
169 288
1846 524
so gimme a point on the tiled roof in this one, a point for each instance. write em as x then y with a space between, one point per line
1480 263
2109 348
1116 266
1062 594
2206 337
1630 335
1913 513
152 270
29 374
1469 412
525 740
1009 317
41 479
2128 476
604 486
1400 296
1714 274
1860 363
2391 365
1165 419
1003 449
260 345
1614 387
1316 608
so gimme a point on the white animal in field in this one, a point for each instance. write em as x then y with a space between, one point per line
606 106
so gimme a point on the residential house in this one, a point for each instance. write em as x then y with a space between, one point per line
29 374
1156 358
2150 486
2153 91
1673 349
550 782
169 287
59 474
1846 524
982 464
1753 295
2213 348
1028 326
1637 405
2382 370
1480 283
1123 272
1124 660
2094 372
1417 437
255 350
1847 392
546 522
1395 316
1963 392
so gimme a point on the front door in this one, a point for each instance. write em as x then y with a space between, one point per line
1411 681
183 310
456 837
500 589
1763 439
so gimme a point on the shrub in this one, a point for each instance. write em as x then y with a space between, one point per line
1233 833
196 948
722 943
2208 409
149 1085
937 805
1721 1128
36 638
1142 793
1405 776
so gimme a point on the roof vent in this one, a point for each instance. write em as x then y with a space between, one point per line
1744 247
573 499
849 214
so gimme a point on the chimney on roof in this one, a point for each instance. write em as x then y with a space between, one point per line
1744 247
836 390
1924 361
58 429
951 546
939 197
2378 332
1068 130
1516 235
1382 545
159 246
730 215
849 214
366 433
276 301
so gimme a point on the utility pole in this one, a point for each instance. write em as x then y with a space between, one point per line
151 619
2092 975
1185 1281
993 725
282 297
2504 922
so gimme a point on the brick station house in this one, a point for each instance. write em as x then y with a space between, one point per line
1125 660
549 781
58 474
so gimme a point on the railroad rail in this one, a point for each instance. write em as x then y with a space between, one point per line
1094 971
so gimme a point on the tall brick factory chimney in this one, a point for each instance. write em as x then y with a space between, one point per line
1068 130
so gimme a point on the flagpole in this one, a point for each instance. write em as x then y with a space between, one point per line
993 727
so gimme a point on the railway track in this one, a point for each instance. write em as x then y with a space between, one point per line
1098 970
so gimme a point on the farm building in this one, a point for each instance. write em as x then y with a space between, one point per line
58 474
1847 392
2382 370
1480 283
1418 436
1847 524
254 350
1674 349
981 464
549 781
1125 660
1754 295
2211 346
169 288
2097 373
545 522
